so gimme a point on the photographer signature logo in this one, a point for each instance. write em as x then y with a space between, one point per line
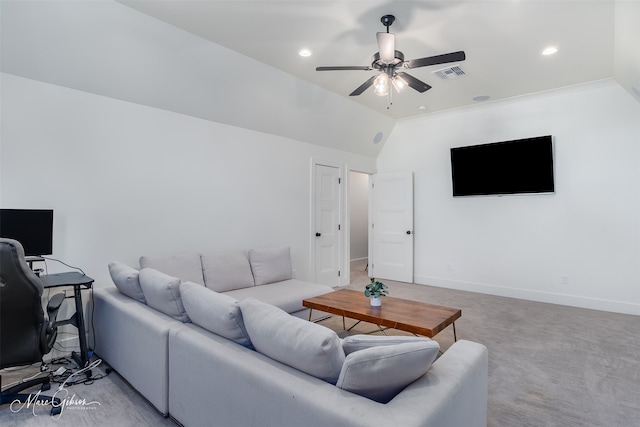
60 399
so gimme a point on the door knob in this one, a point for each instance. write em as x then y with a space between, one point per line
318 234
408 232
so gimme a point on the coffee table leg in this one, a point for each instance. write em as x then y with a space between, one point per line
381 329
455 338
352 326
310 311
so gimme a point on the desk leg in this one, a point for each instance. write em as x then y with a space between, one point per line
82 358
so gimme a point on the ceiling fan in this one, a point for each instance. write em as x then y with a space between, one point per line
388 61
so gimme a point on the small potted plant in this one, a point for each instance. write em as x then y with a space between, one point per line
376 290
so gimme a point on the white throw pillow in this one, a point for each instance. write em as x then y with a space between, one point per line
126 280
187 267
227 271
380 373
271 265
162 293
360 342
303 345
217 313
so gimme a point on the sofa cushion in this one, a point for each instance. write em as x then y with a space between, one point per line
380 373
287 295
162 293
217 313
360 342
126 280
187 267
303 345
270 265
226 271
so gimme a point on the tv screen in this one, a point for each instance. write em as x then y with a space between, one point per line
508 167
33 228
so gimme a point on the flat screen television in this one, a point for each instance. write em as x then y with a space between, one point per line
508 167
33 228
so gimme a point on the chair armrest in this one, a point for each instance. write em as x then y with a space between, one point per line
53 306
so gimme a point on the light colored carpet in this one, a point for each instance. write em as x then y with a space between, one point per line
118 404
549 365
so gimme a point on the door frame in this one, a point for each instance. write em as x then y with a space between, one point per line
347 227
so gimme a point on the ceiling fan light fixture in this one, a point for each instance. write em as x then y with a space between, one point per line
386 45
381 85
389 63
399 83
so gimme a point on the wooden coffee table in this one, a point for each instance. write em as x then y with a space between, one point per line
411 316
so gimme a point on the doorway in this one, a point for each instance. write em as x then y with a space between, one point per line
358 225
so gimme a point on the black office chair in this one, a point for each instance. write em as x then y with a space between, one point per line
25 335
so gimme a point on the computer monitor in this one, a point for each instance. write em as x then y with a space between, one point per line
33 228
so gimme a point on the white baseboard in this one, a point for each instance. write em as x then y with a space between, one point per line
531 295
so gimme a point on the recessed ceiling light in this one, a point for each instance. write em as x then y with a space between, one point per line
422 107
304 52
550 50
481 98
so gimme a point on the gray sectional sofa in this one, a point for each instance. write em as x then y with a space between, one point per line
249 363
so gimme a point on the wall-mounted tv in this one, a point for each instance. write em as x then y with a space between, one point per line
507 167
33 228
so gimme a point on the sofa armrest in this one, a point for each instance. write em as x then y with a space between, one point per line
133 339
457 381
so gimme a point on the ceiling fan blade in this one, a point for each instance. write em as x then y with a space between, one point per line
364 86
434 60
414 83
386 46
357 68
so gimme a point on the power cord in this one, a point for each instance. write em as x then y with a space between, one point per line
62 262
25 379
89 367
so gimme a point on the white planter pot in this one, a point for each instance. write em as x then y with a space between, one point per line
376 301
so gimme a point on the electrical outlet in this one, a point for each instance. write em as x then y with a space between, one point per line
565 279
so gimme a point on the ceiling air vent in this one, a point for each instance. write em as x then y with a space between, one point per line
449 73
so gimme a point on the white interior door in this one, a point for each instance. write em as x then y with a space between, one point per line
327 225
392 226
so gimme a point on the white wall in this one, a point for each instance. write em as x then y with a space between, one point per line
359 215
626 53
109 49
127 180
523 245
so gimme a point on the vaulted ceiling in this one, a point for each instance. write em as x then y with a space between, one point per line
236 62
503 41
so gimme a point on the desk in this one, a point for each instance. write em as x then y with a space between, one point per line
77 280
